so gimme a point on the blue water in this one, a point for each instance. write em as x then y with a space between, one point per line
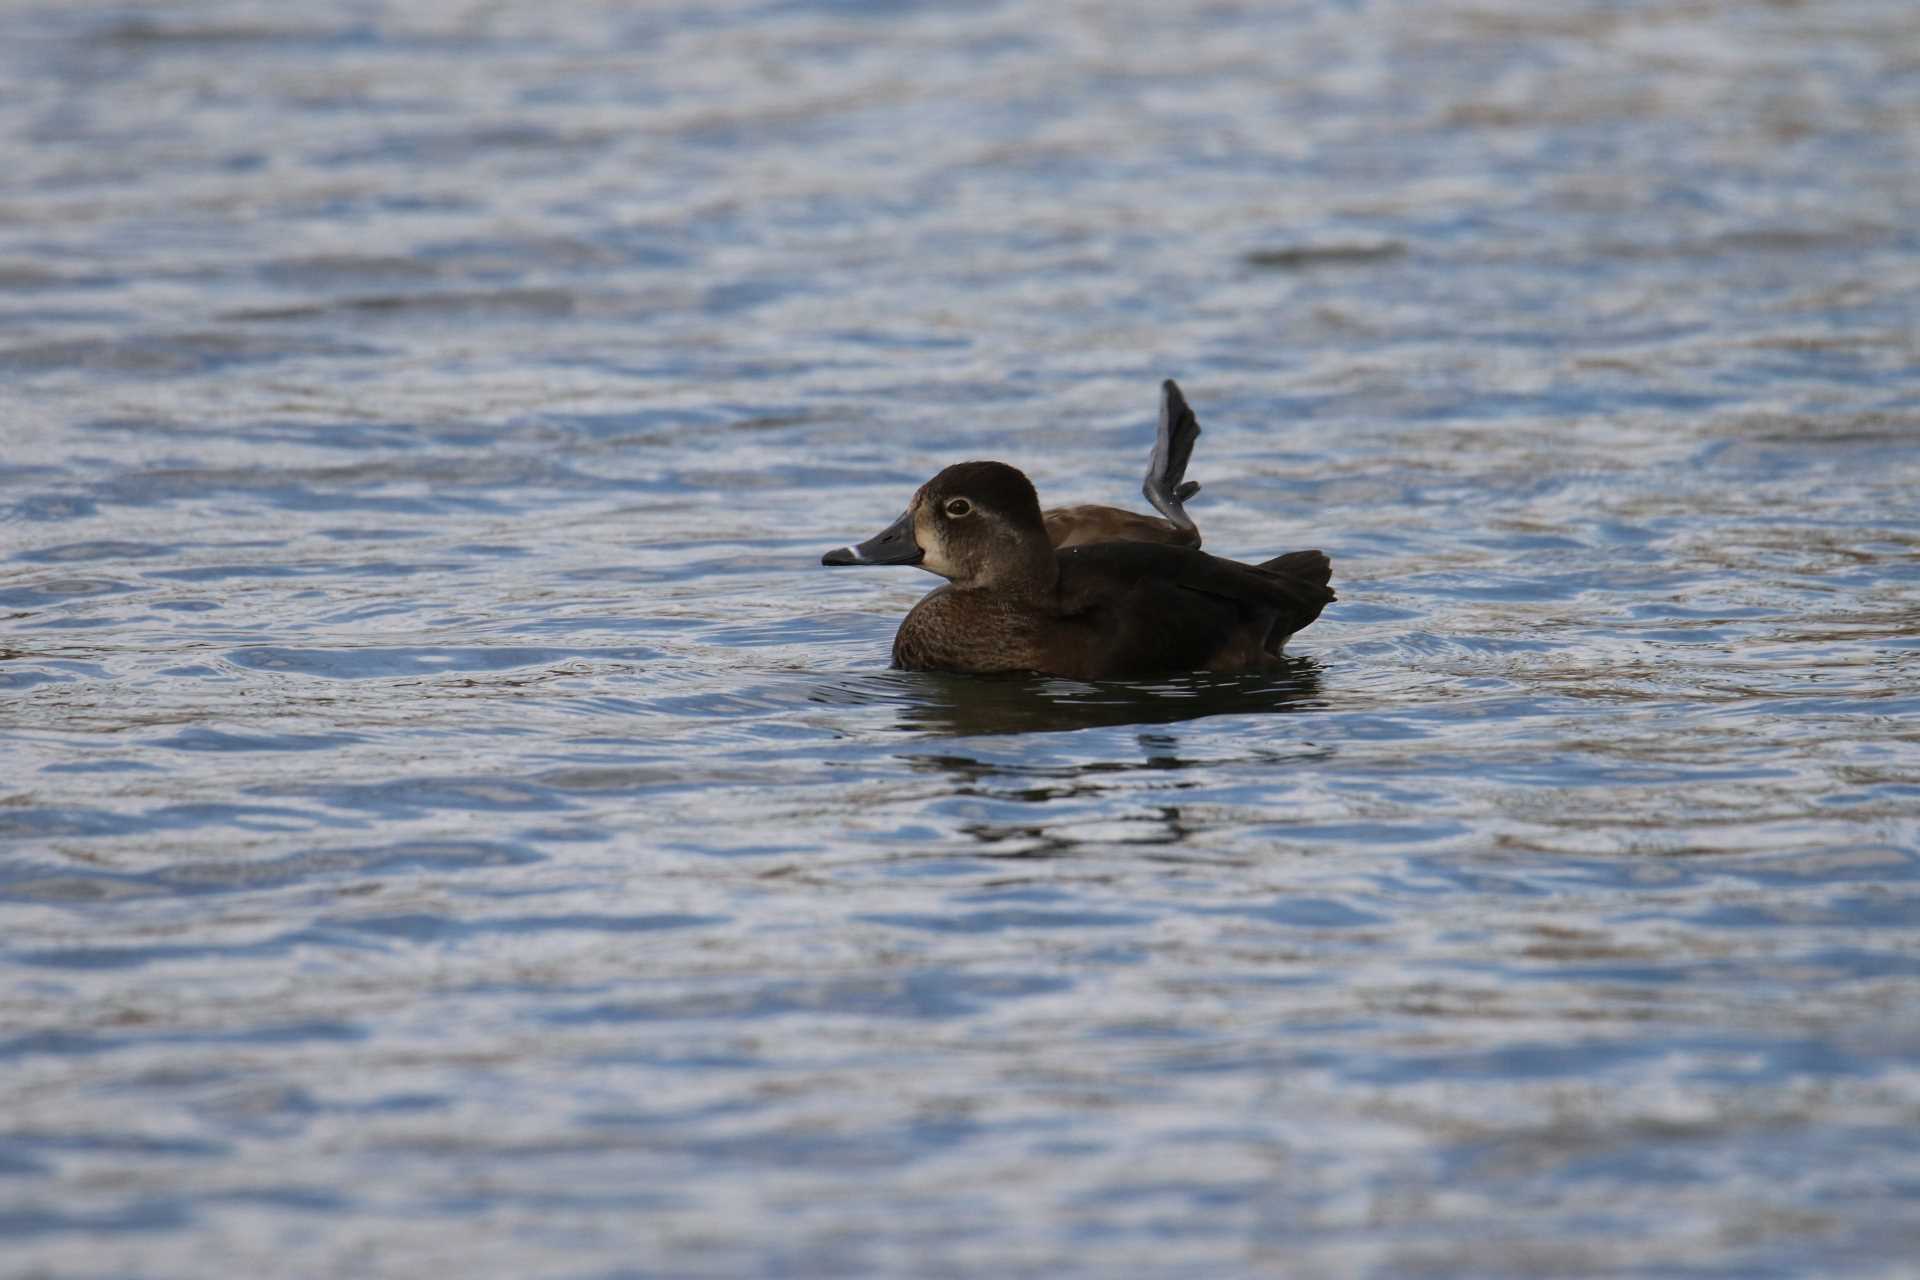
451 824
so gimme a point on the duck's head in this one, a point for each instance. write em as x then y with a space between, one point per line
976 523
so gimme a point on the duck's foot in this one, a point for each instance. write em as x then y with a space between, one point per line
1166 486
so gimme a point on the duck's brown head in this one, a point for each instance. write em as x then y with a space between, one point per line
975 524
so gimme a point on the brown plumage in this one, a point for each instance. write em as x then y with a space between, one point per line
1099 611
1090 522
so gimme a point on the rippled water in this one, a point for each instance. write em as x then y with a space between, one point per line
450 821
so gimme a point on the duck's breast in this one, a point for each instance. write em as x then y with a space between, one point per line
978 631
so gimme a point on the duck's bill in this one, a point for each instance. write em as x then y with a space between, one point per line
892 545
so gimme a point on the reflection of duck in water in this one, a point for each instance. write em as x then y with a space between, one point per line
972 706
1088 610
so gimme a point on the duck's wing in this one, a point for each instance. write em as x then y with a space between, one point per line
1295 583
1081 525
1173 608
1166 485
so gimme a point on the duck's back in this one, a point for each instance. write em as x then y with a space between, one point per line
1085 525
1133 609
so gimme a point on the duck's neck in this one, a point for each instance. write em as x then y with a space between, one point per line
1034 572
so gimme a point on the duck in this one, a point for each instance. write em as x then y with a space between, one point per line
1105 610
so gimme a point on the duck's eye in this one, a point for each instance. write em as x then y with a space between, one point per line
959 507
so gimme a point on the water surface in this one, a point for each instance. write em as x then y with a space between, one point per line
451 821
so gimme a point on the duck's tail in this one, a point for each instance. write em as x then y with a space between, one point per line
1313 566
1306 574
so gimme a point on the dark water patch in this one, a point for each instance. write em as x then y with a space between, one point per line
207 739
968 706
68 822
17 678
1304 913
1426 644
717 845
628 778
296 1199
382 663
330 269
60 591
890 340
80 552
1588 772
1854 964
1887 909
1513 1062
1836 864
792 631
431 856
348 436
87 1044
369 568
50 507
464 144
922 994
1367 833
1508 587
99 958
25 1223
1000 921
25 885
449 304
29 277
335 492
573 623
409 797
1747 1060
170 355
741 296
143 34
64 623
244 817
332 934
16 1165
372 535
120 1145
1889 703
1761 242
1303 257
847 1152
305 1102
436 928
38 882
1760 1063
546 1202
228 572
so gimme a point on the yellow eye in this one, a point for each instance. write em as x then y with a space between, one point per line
959 507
